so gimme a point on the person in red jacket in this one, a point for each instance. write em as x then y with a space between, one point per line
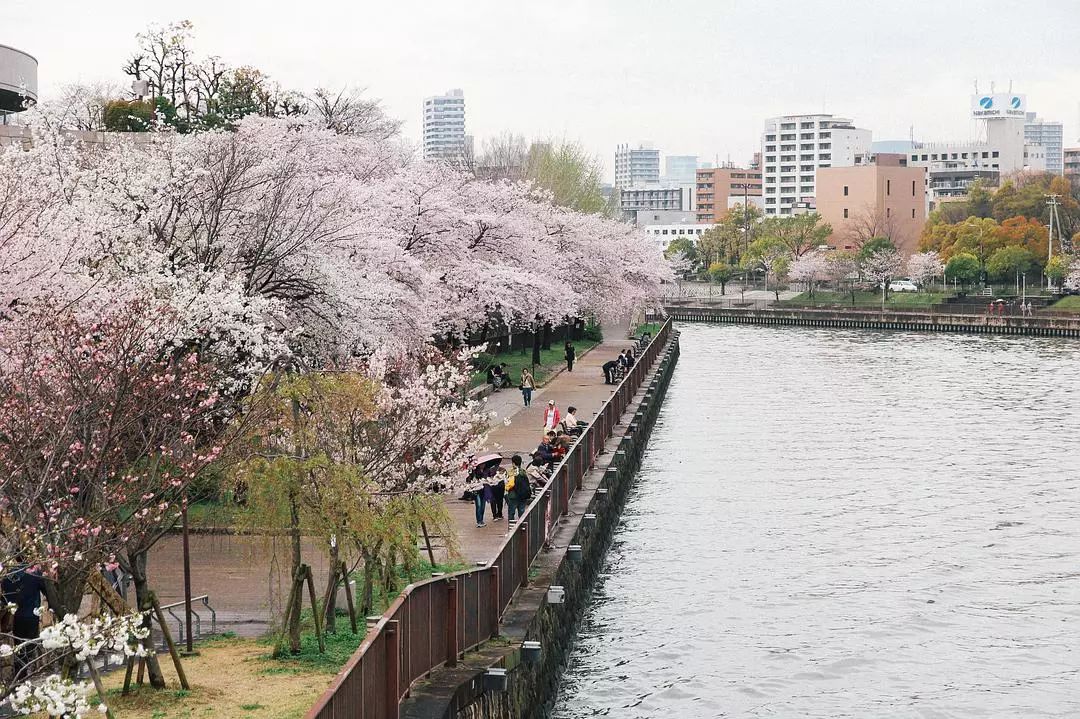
551 416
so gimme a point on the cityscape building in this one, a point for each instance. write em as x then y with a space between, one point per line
793 147
1050 135
719 188
636 165
18 81
638 198
880 196
444 127
680 168
1071 163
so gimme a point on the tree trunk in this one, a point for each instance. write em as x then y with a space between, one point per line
137 563
330 604
536 346
546 343
294 536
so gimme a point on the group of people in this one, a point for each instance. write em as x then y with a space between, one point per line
513 487
997 307
617 368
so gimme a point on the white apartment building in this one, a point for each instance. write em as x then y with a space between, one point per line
793 147
444 127
1000 149
1050 135
655 197
664 234
637 165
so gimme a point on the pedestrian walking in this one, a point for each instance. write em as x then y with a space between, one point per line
570 355
518 492
551 416
528 384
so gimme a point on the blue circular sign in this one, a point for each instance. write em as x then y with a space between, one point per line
1015 102
986 102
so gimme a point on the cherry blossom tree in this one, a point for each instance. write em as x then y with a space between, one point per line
880 267
923 267
810 268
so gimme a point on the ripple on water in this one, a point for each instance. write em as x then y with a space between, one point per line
846 524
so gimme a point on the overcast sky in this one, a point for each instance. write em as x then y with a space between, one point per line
693 76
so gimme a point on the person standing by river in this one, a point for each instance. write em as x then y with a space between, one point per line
528 384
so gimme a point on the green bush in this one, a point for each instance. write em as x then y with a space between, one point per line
128 115
593 332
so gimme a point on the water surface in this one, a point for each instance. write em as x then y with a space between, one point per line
836 523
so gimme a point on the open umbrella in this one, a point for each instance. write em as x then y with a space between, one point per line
487 459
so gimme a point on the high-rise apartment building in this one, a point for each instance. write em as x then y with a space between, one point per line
793 147
444 127
636 166
719 186
1051 136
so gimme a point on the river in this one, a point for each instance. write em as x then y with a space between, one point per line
834 523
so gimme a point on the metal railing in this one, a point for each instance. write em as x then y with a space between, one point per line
974 308
434 621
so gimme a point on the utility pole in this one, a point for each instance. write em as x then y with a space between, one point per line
1052 201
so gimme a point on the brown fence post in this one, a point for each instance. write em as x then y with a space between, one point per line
393 667
523 554
495 597
451 622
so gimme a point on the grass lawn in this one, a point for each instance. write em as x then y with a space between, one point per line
864 298
1072 302
652 328
550 361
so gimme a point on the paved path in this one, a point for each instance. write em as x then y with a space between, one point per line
241 574
583 388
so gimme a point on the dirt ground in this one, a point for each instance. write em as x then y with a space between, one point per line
230 679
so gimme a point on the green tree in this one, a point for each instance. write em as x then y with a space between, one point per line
964 267
979 200
875 244
770 255
1057 269
129 116
721 273
1006 262
684 247
798 233
569 173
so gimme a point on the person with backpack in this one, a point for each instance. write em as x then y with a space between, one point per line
518 490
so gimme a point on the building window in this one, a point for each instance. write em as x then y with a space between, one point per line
985 155
665 232
888 212
845 209
994 153
825 146
825 157
845 195
913 213
914 158
913 189
924 158
888 187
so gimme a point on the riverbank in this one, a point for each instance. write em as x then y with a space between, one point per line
889 319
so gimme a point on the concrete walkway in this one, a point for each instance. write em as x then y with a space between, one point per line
583 388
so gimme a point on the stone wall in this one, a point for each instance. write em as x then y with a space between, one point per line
460 692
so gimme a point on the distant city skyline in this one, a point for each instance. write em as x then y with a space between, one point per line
559 79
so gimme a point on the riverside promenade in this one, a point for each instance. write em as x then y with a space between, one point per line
583 388
246 577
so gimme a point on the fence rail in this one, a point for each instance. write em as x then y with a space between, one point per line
974 308
434 621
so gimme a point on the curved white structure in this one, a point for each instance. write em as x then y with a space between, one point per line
18 80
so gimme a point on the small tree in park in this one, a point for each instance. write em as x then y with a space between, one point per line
923 267
964 268
879 267
347 450
770 255
721 273
103 424
810 268
844 270
1057 269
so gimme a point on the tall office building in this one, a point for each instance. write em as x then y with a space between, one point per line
636 166
793 147
680 168
444 127
1051 136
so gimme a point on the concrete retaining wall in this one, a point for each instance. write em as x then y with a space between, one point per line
888 320
459 692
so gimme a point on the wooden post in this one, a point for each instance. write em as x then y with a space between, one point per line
127 675
495 594
452 622
427 542
349 597
393 667
314 607
169 641
190 646
523 553
98 686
